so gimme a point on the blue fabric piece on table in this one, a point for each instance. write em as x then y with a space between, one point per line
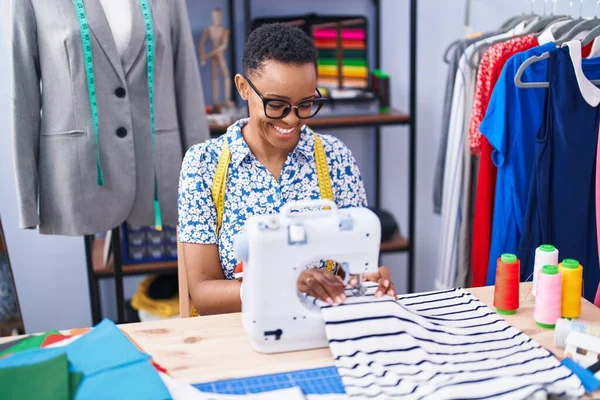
589 381
104 347
139 381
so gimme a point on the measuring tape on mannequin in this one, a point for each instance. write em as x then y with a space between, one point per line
91 83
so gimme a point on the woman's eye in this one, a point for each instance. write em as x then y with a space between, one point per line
306 106
276 105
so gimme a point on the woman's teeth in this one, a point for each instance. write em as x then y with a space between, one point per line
283 131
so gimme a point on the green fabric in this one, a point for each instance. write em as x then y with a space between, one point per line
74 381
45 380
327 61
346 54
32 342
345 62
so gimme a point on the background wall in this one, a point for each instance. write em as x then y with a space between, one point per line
50 271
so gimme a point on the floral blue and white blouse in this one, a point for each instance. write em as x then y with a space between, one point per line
251 189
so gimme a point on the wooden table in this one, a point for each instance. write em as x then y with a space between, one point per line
205 349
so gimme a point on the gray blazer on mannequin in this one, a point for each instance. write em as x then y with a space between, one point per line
55 150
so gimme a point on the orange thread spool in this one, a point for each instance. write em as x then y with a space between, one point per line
506 289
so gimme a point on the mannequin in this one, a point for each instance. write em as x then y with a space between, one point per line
90 159
118 14
219 37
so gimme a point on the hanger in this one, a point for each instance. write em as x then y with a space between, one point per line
448 49
546 20
511 23
586 86
582 26
530 27
562 30
594 33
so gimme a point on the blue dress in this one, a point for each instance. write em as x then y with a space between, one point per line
252 190
561 208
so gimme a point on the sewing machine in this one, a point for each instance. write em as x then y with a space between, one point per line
275 249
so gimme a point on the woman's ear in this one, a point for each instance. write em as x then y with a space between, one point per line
242 86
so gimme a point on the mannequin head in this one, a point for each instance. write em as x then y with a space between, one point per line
217 16
280 64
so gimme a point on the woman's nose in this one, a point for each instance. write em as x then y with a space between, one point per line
291 119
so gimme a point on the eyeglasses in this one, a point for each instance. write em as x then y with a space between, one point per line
278 109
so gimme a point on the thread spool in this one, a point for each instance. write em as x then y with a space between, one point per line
506 289
565 326
572 283
546 254
548 304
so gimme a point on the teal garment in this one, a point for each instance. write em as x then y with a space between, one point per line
103 348
113 367
102 364
138 381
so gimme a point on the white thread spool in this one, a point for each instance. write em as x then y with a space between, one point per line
546 254
564 326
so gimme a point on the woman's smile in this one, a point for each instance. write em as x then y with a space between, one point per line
283 131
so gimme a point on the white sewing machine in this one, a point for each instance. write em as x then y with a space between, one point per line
275 249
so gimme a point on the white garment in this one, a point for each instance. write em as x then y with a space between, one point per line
547 36
462 108
438 345
120 17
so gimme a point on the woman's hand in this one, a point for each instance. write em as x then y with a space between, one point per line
322 284
382 277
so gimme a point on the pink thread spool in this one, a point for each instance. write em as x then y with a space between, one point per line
548 302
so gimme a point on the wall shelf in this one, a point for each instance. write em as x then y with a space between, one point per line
393 117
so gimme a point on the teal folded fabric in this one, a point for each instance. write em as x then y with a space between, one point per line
138 381
101 364
103 348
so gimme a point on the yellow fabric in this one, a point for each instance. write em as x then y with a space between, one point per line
219 185
163 308
348 71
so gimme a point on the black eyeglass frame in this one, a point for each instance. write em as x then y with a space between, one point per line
319 100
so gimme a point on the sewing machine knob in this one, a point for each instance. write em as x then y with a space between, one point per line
241 247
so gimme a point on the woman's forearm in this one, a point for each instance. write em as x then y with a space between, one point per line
217 297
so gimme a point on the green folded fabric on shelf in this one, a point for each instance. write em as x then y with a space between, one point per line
324 53
346 62
47 379
32 342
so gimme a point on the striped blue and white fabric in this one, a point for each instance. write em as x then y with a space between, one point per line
438 345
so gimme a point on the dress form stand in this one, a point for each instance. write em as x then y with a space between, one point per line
219 38
119 15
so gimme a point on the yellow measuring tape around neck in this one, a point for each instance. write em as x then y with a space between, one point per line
220 180
220 177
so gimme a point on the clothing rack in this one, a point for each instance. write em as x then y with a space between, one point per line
376 121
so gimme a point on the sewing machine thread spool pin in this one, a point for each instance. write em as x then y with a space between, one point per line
296 234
